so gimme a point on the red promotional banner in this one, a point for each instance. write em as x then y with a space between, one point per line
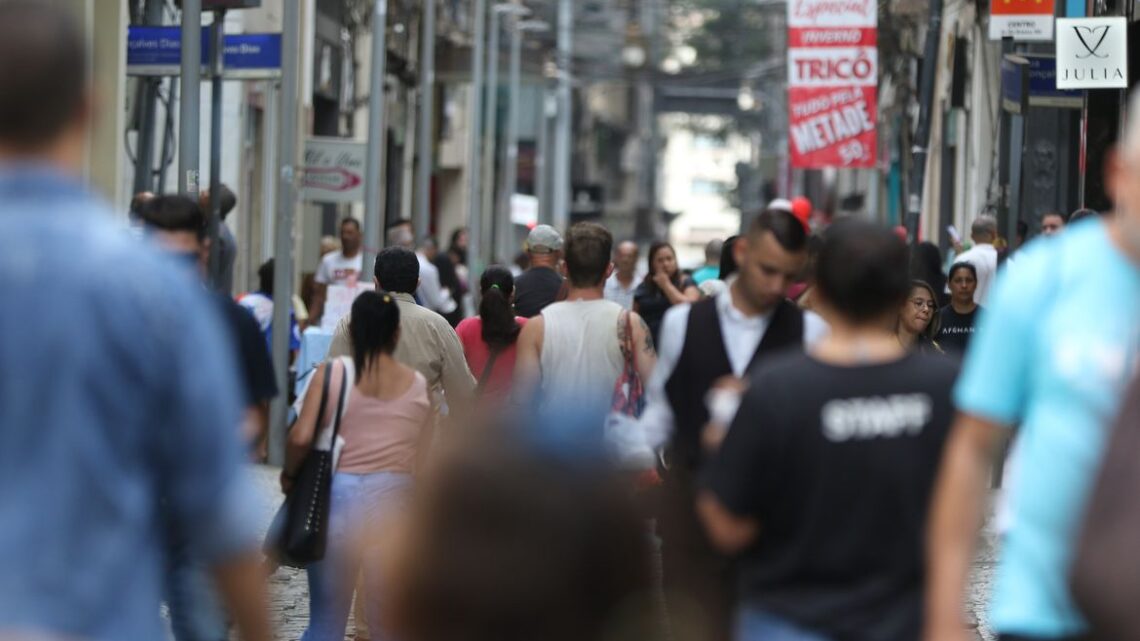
832 127
833 76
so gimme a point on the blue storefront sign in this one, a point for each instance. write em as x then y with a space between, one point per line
1043 90
157 51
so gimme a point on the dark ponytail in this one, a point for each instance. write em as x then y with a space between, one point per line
374 327
499 326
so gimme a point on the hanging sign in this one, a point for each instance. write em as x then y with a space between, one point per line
1024 20
334 170
1092 53
833 76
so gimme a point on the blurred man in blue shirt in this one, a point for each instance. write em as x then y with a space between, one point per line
1053 352
119 402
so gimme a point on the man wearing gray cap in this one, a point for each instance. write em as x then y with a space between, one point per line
540 285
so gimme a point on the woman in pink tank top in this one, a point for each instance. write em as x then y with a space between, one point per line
385 427
490 340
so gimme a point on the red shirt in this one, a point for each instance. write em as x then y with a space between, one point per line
498 385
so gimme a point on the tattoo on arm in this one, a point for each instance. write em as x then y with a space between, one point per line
623 338
647 346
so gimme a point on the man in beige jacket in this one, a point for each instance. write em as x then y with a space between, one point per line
427 343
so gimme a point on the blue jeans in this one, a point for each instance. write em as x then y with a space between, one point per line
195 611
753 624
359 506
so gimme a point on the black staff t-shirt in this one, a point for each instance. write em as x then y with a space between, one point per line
956 329
837 465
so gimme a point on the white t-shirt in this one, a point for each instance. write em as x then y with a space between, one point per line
984 258
338 269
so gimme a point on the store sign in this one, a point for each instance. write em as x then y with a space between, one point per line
1028 20
1043 91
334 171
833 75
157 51
1092 53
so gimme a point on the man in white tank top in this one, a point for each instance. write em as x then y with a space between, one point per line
571 353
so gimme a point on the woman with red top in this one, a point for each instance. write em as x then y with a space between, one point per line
490 339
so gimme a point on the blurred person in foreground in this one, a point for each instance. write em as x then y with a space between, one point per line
427 344
490 340
177 225
918 320
1104 581
386 425
541 284
118 434
1052 353
513 541
822 485
707 345
620 286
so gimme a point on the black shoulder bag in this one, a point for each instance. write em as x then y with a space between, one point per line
304 537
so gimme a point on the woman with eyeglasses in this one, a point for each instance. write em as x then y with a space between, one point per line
957 319
918 320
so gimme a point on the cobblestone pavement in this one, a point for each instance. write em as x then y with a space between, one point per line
289 592
288 588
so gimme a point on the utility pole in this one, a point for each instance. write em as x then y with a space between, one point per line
376 184
560 202
920 149
475 262
422 213
542 157
188 108
490 111
283 261
148 98
511 164
490 139
214 222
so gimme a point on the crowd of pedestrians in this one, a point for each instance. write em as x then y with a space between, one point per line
801 432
